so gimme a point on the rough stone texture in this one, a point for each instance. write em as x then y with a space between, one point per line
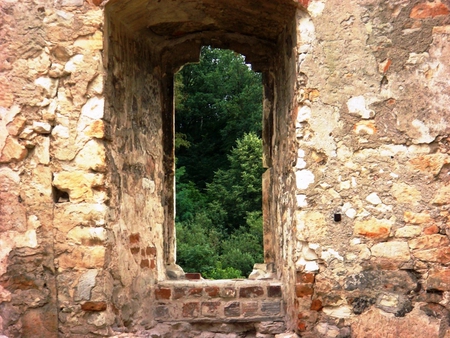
356 144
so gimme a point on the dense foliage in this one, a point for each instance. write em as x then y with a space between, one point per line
219 166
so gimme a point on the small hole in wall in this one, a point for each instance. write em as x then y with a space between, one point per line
59 196
337 217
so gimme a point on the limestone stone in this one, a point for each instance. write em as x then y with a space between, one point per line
87 235
12 151
373 228
83 257
441 255
12 212
304 178
406 194
49 86
429 242
311 226
92 156
16 126
85 285
42 150
93 108
78 184
42 127
442 196
95 129
393 250
430 163
357 105
416 218
408 231
343 311
394 303
373 199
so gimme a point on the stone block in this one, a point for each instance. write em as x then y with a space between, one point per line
439 280
373 228
92 156
305 277
274 291
434 255
179 293
12 151
417 217
94 306
83 257
399 305
429 242
195 292
12 213
405 194
393 250
442 196
212 291
85 285
378 280
429 10
250 309
78 184
270 327
40 323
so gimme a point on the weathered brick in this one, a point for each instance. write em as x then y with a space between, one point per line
429 10
195 292
212 291
305 277
179 293
274 291
271 308
145 263
316 305
162 293
150 250
210 309
232 309
162 311
94 306
431 230
135 238
191 309
227 292
249 308
303 290
251 292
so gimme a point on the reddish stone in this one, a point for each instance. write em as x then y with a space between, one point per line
93 306
162 293
439 280
150 250
212 291
152 264
143 252
303 277
316 305
429 10
40 323
196 292
135 250
135 238
274 290
145 263
251 292
303 290
191 309
301 325
431 230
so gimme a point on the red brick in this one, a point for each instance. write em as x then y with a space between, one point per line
93 306
303 277
274 290
135 250
303 290
429 10
210 309
193 275
301 325
212 291
251 292
152 264
162 293
232 309
179 293
150 250
145 263
196 292
249 308
191 309
316 305
135 238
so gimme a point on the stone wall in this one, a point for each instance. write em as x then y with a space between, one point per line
356 145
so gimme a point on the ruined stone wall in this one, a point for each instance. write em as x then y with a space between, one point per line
355 141
372 171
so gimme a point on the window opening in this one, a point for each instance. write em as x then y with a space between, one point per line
218 114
